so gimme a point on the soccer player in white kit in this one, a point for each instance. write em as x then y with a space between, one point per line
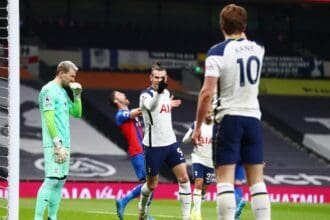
160 142
232 75
202 164
203 168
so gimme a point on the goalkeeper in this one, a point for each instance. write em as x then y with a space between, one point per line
55 108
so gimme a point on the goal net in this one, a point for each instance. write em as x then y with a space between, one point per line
9 109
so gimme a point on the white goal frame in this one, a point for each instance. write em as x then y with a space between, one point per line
14 109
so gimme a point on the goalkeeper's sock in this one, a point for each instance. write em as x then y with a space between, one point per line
43 197
260 202
226 204
135 192
185 198
55 200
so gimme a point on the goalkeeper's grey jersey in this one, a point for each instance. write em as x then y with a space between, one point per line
157 117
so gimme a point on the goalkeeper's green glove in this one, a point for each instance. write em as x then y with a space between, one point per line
76 89
60 153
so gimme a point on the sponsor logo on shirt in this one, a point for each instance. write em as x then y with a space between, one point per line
165 108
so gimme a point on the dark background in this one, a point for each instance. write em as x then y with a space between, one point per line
284 27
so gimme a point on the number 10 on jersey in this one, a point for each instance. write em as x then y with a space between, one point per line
246 70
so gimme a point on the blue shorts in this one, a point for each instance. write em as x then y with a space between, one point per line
237 138
204 172
172 155
138 165
239 173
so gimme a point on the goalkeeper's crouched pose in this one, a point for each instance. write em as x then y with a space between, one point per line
55 108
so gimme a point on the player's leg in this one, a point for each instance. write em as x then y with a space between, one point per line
239 180
204 190
226 145
203 176
154 157
252 158
226 203
146 196
56 196
260 202
55 199
122 203
175 159
44 193
198 176
43 197
138 165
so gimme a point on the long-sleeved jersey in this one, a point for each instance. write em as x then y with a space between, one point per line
132 130
157 117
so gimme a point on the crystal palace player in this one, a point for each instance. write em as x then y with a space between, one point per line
130 125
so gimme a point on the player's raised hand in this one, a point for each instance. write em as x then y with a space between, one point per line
175 102
135 112
196 136
76 89
161 86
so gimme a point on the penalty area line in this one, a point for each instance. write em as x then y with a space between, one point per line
132 214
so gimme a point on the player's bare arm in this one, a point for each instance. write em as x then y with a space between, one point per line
175 103
187 137
204 101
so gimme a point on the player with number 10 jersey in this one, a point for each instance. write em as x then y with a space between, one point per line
238 63
232 75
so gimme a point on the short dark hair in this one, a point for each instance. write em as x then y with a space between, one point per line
157 66
112 99
233 19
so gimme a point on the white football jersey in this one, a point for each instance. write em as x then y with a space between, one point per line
157 117
237 63
202 153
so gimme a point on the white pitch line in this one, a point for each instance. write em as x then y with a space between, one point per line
132 214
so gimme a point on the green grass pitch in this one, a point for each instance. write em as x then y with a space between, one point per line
168 209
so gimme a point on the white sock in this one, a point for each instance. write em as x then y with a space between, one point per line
260 202
185 198
226 203
144 198
197 200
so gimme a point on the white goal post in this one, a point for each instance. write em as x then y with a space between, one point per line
13 109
